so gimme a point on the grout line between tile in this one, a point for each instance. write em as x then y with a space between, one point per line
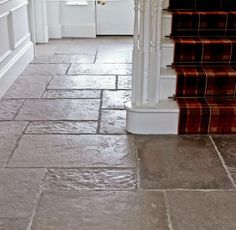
100 113
95 57
46 87
15 147
223 162
169 222
36 200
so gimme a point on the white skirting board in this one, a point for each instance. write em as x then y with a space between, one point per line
15 66
161 119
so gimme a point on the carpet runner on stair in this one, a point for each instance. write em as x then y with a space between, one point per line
204 33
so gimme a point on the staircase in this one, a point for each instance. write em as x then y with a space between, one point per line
195 48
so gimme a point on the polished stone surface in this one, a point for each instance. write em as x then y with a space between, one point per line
46 69
83 82
214 210
74 151
62 127
73 94
9 109
101 69
18 191
91 179
28 87
113 121
115 99
10 132
62 210
183 162
61 109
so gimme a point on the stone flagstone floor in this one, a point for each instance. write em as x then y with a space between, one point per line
67 163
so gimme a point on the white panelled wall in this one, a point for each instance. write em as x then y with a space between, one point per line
150 111
16 48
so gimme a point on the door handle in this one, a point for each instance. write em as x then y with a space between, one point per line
101 2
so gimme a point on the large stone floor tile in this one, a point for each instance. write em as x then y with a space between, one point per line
13 223
91 179
10 132
65 58
101 69
62 127
76 94
9 109
74 151
124 82
115 99
101 211
28 87
46 69
83 82
76 49
59 109
18 191
175 162
203 210
109 57
113 121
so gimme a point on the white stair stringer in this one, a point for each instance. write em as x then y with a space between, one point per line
160 119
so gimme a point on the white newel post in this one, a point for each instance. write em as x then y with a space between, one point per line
146 53
148 112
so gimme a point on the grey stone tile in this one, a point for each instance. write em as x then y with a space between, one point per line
28 87
9 108
76 49
101 69
13 223
115 99
227 147
10 132
58 94
101 211
83 82
74 151
91 179
203 210
18 192
113 121
62 127
46 69
180 162
65 59
124 82
59 109
108 57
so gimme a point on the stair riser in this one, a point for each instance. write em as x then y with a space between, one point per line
167 55
166 25
167 87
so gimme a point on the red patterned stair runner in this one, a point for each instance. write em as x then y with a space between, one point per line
205 63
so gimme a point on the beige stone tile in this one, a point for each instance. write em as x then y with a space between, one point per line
10 132
13 223
202 210
101 69
62 127
46 69
9 109
83 82
180 162
115 99
18 191
91 179
76 94
59 109
124 82
74 151
101 211
113 121
28 87
111 57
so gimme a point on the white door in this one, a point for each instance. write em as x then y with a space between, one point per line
116 17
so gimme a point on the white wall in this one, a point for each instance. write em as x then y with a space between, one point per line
71 21
16 49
